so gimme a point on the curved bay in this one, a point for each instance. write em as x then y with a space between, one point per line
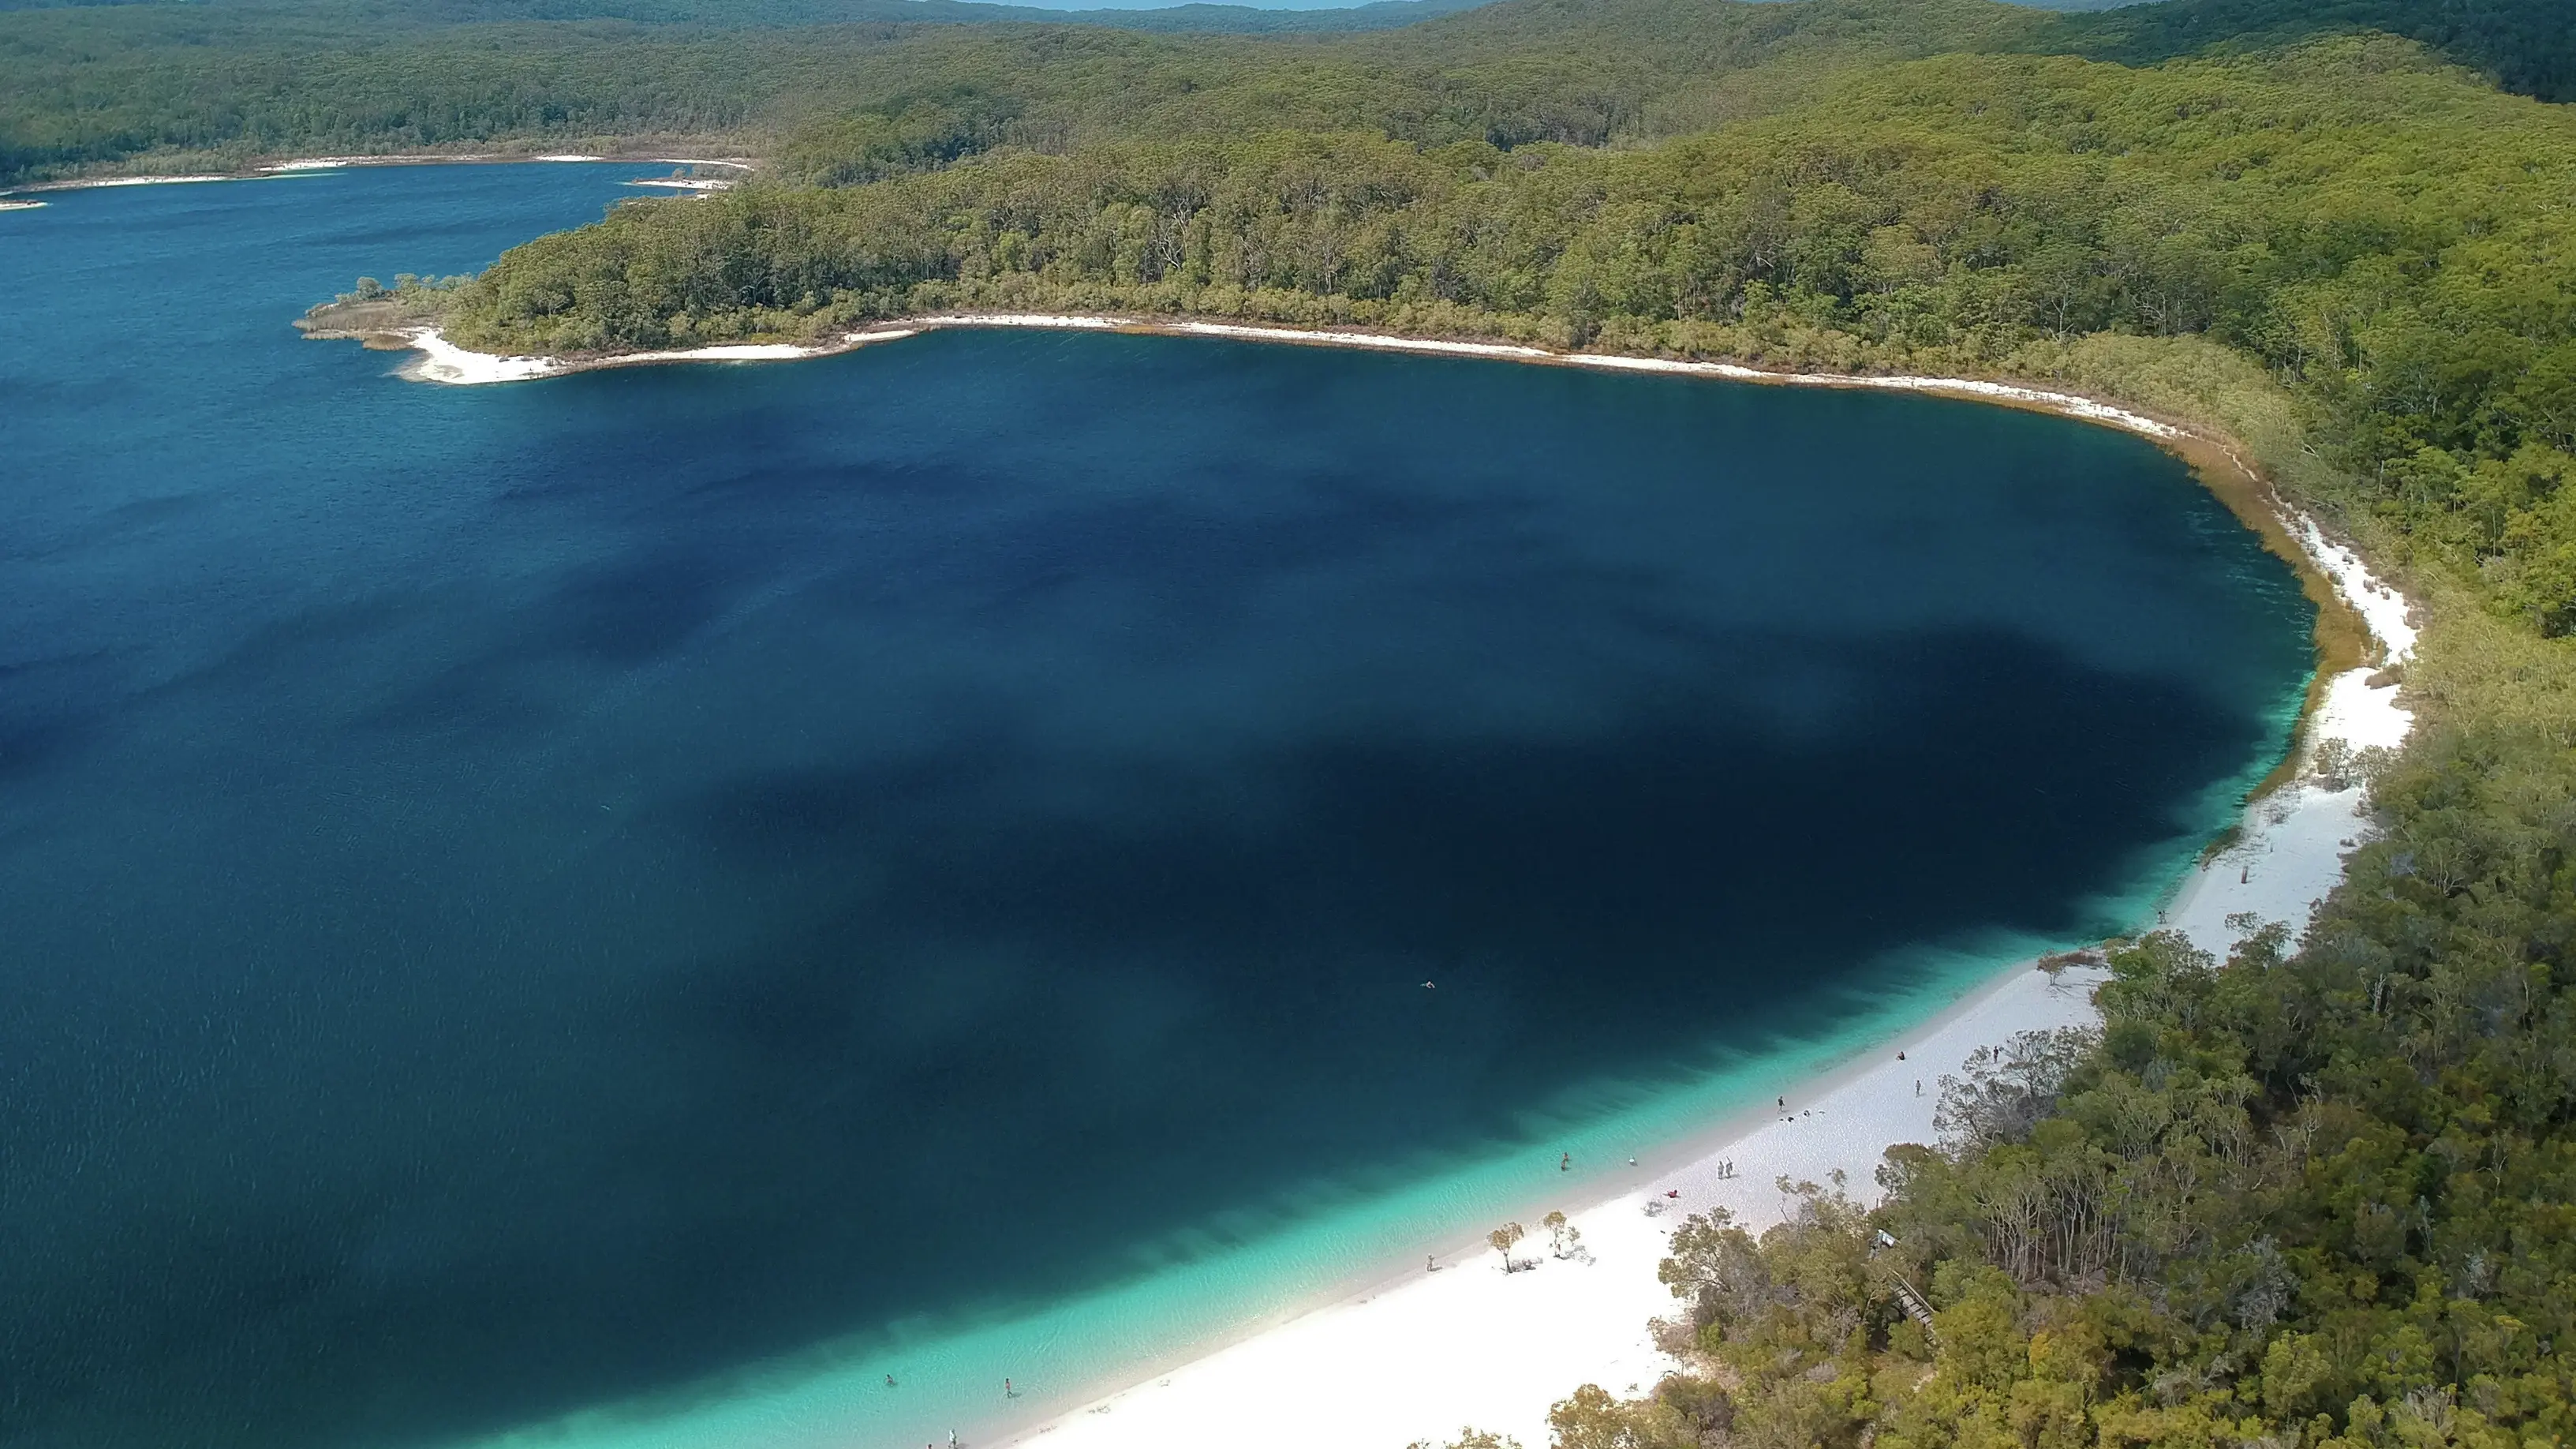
524 897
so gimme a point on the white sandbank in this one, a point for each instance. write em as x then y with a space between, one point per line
1418 1357
1423 1355
334 163
2072 405
307 165
472 158
443 361
134 181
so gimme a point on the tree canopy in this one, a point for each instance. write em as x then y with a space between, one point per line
214 83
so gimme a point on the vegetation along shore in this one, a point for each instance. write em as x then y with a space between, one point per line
2315 1192
405 317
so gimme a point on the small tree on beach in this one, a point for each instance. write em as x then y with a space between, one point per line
1562 1237
1504 1239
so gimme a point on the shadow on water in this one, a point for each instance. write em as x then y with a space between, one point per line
861 1112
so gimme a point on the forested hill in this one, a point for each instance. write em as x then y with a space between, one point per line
219 82
2525 47
380 15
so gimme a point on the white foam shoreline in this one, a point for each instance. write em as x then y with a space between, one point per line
442 361
459 366
308 165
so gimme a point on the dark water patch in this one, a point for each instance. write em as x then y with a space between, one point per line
547 894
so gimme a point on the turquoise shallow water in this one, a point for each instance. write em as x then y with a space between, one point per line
694 889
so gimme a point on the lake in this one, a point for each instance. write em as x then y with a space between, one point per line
682 892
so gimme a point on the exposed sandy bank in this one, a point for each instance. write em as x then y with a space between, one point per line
442 361
306 165
2069 404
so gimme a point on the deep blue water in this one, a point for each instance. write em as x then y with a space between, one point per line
518 898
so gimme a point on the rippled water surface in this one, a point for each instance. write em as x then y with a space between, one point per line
711 885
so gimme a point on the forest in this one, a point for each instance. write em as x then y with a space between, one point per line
213 84
2316 1194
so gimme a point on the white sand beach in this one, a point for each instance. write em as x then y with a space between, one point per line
132 181
443 361
1423 1355
308 165
456 368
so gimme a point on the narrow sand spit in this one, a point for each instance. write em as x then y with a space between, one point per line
306 165
443 361
2069 404
131 181
1418 1357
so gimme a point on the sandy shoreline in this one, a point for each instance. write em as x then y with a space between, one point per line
444 362
2344 637
311 165
1418 1354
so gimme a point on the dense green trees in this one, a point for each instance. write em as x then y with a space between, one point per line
2323 1198
208 83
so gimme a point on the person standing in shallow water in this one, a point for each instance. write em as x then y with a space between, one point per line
1565 1163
